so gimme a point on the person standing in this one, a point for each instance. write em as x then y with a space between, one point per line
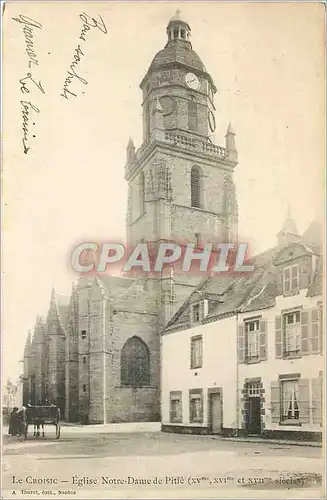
14 422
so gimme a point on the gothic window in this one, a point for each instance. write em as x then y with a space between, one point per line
135 363
141 193
195 187
192 115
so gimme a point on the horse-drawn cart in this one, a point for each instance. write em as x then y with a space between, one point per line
39 416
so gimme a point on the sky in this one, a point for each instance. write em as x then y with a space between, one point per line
267 61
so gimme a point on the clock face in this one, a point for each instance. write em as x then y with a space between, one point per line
212 121
192 81
168 104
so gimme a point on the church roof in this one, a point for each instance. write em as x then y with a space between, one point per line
110 282
313 235
177 51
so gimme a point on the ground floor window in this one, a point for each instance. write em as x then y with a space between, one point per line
290 400
176 407
196 406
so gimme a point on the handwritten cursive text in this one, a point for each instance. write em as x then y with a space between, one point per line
72 74
28 83
27 108
29 24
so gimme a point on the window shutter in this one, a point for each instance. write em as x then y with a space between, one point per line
315 333
304 401
263 340
317 400
305 332
278 337
275 402
241 343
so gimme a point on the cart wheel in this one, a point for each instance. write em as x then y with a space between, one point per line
57 430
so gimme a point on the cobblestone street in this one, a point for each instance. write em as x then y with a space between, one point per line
99 462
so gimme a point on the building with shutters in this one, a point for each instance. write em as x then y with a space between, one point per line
247 352
97 354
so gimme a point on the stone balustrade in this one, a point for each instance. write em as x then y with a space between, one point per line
183 142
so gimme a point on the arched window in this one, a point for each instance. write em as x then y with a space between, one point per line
141 192
195 187
135 363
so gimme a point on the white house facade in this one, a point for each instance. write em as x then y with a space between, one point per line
245 354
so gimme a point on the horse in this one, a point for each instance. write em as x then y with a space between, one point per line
38 416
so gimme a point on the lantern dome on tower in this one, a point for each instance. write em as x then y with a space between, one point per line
178 48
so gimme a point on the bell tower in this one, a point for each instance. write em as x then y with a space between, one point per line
178 87
180 184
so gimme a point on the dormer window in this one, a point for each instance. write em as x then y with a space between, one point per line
291 279
196 313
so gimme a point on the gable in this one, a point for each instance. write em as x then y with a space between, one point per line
290 253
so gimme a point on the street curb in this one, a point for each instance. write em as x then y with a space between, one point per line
312 444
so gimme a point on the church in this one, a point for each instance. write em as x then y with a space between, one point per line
97 354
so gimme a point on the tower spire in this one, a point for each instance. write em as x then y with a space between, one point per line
288 231
28 343
130 151
231 151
